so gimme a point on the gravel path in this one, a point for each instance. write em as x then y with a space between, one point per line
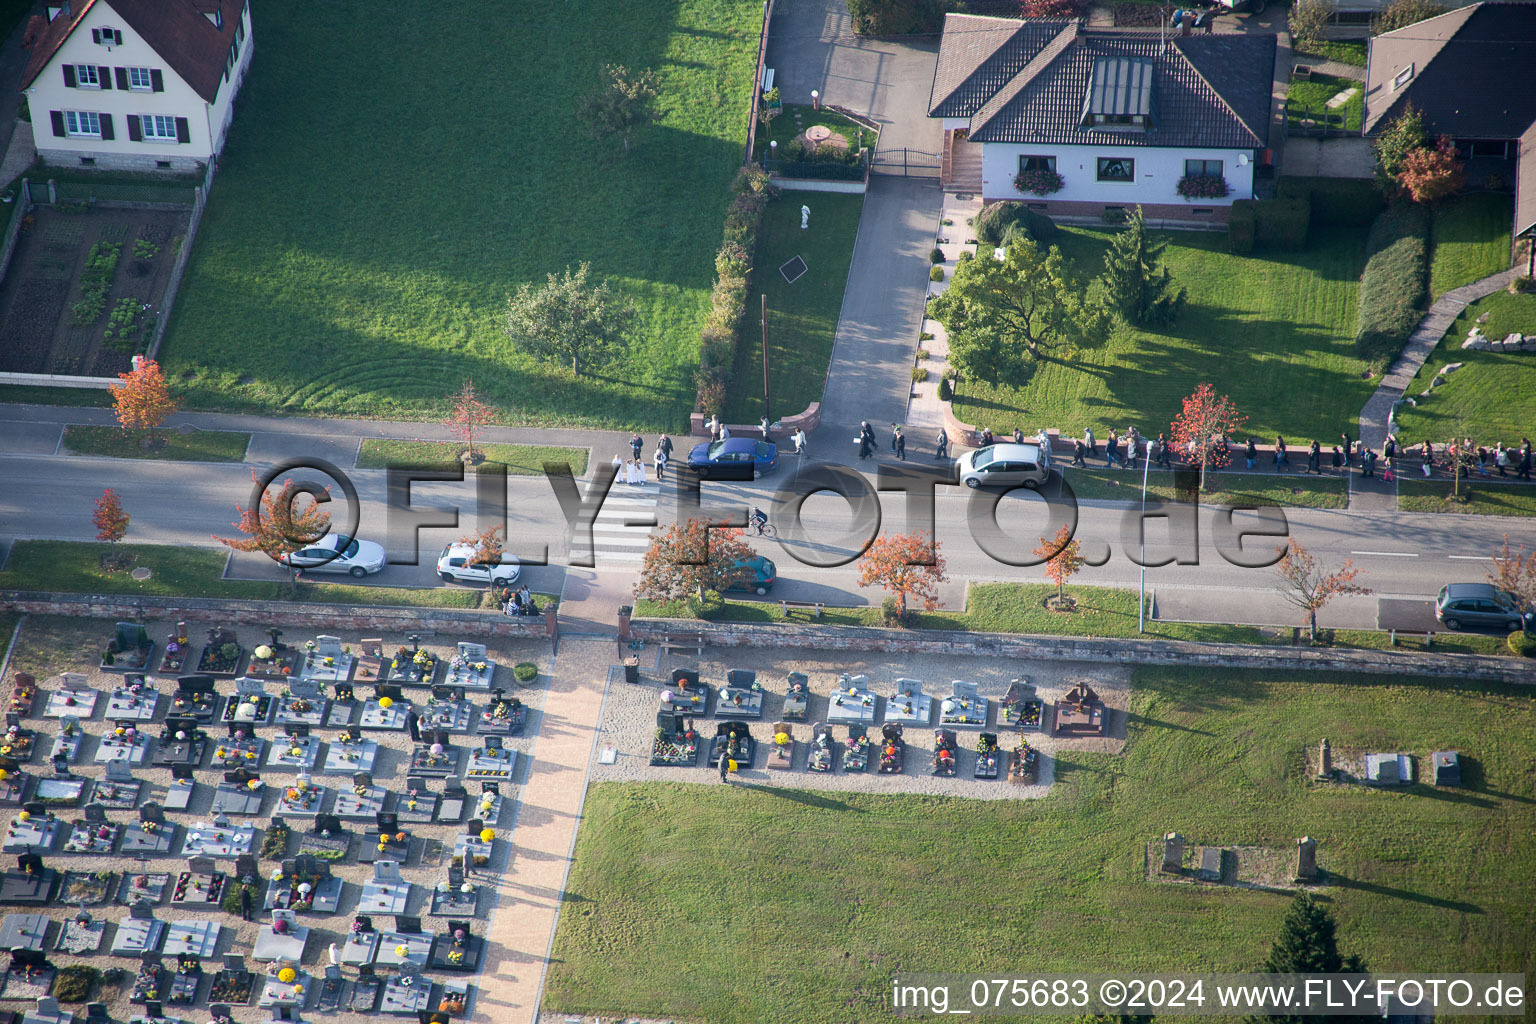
52 644
629 718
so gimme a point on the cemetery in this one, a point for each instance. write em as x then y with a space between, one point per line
223 825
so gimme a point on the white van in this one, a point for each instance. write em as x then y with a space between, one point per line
1005 465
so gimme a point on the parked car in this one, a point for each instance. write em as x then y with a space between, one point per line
456 565
1005 465
764 575
730 459
1481 606
336 552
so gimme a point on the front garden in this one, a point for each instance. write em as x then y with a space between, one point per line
310 295
848 887
1307 103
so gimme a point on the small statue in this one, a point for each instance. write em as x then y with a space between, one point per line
805 217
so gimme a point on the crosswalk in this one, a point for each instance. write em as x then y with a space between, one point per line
614 543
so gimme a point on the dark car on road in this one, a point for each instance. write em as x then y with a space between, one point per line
735 458
1463 606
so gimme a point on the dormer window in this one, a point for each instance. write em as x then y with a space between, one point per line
106 37
1119 96
217 17
1403 77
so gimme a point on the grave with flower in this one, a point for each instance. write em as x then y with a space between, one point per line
1024 765
92 834
675 743
909 705
242 748
797 697
17 743
733 741
327 660
222 653
852 701
687 694
302 703
964 707
822 747
988 757
349 754
504 716
469 668
434 756
304 884
945 753
181 743
457 949
1080 712
66 745
741 696
1020 708
386 711
249 706
23 692
178 646
490 760
134 699
274 660
196 698
73 699
201 885
218 838
296 750
893 750
447 710
413 666
128 650
302 798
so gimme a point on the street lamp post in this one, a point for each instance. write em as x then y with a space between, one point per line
1141 604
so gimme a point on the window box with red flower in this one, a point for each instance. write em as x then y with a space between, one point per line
1203 186
1041 181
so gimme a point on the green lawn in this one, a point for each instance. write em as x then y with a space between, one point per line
1492 397
520 459
1482 498
1308 98
1471 238
74 567
797 117
13 393
1345 51
198 446
1295 489
1274 330
360 266
802 317
832 893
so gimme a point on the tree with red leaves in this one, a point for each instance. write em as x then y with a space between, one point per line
468 415
1051 8
143 399
1303 582
906 564
1432 173
1203 426
282 523
1515 572
691 558
110 520
1063 558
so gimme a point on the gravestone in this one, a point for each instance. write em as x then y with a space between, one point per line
94 813
307 689
1306 859
1210 864
1324 760
118 771
1173 853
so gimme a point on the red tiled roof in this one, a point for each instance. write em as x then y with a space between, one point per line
183 37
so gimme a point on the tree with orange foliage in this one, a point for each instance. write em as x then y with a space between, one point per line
691 559
143 399
1432 173
1063 558
110 520
468 415
1304 584
1515 572
907 565
282 523
1203 426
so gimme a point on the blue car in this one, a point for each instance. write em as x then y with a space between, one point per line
735 458
763 575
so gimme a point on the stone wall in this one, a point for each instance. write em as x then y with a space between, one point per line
321 617
1051 648
809 420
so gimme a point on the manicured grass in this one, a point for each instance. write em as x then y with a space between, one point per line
360 267
1492 397
1480 498
520 459
797 117
1273 330
1454 643
198 446
1308 98
17 394
74 567
1225 488
1344 51
846 889
802 317
1471 237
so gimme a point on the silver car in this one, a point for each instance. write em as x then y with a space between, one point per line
1005 465
1479 606
337 552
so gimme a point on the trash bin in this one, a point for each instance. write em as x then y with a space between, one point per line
631 670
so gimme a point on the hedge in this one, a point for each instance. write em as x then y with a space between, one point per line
1350 202
899 17
728 302
1394 285
995 219
1240 226
821 170
1268 224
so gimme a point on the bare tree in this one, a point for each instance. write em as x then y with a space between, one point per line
1305 584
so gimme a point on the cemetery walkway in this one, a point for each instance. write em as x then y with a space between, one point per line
1376 417
531 886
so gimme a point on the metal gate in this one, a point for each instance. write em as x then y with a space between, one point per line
906 163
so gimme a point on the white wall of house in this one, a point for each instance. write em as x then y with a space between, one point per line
1157 173
206 124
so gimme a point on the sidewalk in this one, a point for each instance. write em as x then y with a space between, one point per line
925 415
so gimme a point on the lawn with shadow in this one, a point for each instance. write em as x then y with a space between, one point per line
818 903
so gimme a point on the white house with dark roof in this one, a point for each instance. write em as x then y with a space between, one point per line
1097 120
136 84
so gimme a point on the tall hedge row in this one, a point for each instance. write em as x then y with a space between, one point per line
1268 224
1394 285
1348 202
733 271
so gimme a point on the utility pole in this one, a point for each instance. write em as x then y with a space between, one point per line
767 398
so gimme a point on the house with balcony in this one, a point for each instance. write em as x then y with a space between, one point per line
138 85
1080 122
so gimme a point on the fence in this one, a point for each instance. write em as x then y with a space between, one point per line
19 205
1316 122
168 300
908 163
757 82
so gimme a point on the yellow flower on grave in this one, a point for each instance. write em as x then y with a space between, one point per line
401 950
386 703
488 835
383 847
286 975
24 816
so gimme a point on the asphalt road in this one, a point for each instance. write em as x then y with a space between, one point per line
1399 554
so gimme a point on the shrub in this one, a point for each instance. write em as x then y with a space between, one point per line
919 374
1522 284
890 612
230 904
1345 202
707 607
1053 8
74 983
1432 173
728 300
711 383
1240 226
936 274
897 17
993 222
946 392
1393 289
275 843
1521 644
525 671
936 256
966 256
1402 13
1309 20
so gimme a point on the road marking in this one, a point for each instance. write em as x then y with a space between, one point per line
1471 558
1387 554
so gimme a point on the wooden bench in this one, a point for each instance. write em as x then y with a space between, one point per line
818 607
676 643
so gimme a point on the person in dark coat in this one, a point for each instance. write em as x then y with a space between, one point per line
245 903
413 725
941 446
1338 458
1348 450
1077 454
1162 452
1252 453
987 438
636 444
725 767
899 442
1314 458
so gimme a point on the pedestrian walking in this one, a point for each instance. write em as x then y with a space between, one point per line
725 766
1501 458
1164 458
1282 458
1018 436
987 438
245 903
894 431
1338 458
899 442
1077 454
1088 441
1252 453
1111 451
1314 458
941 445
1525 459
1367 461
636 445
413 725
1482 461
762 424
1347 446
799 438
665 444
659 459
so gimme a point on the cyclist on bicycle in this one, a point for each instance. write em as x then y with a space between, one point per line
758 519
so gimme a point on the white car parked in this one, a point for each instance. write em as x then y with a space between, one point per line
455 565
336 552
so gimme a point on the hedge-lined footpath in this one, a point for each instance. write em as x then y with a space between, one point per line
728 301
1394 287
